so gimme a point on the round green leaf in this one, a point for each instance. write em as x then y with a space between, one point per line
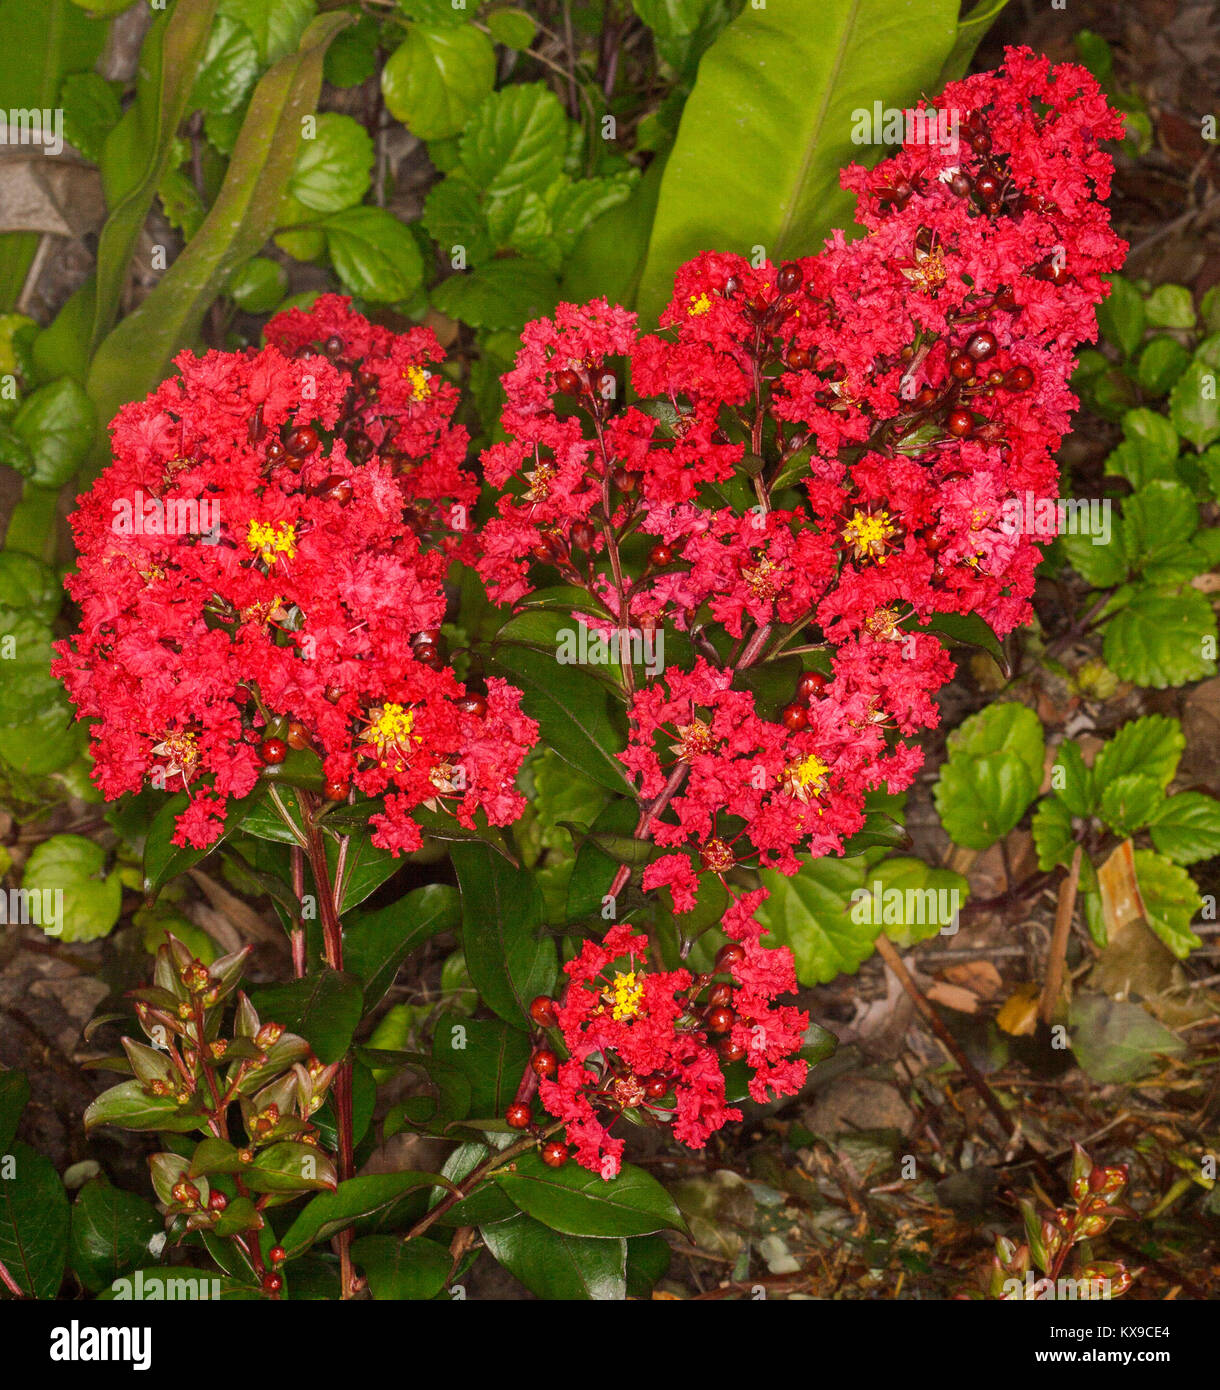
811 914
66 871
332 169
435 78
512 28
1186 827
981 799
1159 638
259 285
56 422
374 254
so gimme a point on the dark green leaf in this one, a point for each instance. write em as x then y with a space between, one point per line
34 1224
324 1008
402 1270
110 1233
556 1266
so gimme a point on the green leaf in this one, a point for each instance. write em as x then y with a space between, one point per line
277 25
572 709
750 165
374 254
1170 306
1193 405
970 31
28 683
578 1202
490 1054
970 630
981 799
609 256
333 169
812 913
110 1233
1161 363
1186 827
916 901
138 151
1149 448
259 285
229 69
1052 831
1159 638
1171 900
56 422
556 1266
1116 1040
91 111
1151 745
34 1224
128 1106
352 58
402 1270
512 28
1129 802
516 140
14 1094
1073 779
1121 317
163 860
1102 566
324 1008
682 30
435 78
503 294
73 865
290 1167
1006 727
1157 520
136 355
330 1212
376 943
508 958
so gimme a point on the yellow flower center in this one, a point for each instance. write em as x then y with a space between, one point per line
761 579
693 739
805 779
179 748
389 730
625 995
869 533
268 541
419 382
699 304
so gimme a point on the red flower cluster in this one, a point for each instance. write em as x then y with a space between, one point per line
840 446
649 1043
263 564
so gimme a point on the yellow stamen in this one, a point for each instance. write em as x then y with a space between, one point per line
268 541
389 731
699 304
869 533
419 382
625 995
806 778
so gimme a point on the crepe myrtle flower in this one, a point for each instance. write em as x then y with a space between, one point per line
651 1043
308 617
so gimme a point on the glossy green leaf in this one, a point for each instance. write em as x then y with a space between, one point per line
515 140
1170 899
137 153
435 79
14 1094
509 958
376 943
557 1266
129 1106
504 294
1194 406
332 169
74 867
374 254
811 912
980 799
330 1212
1121 318
56 423
34 1223
324 1008
769 125
110 1233
277 25
402 1270
578 1202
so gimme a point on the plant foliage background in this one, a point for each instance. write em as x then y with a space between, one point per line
470 168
